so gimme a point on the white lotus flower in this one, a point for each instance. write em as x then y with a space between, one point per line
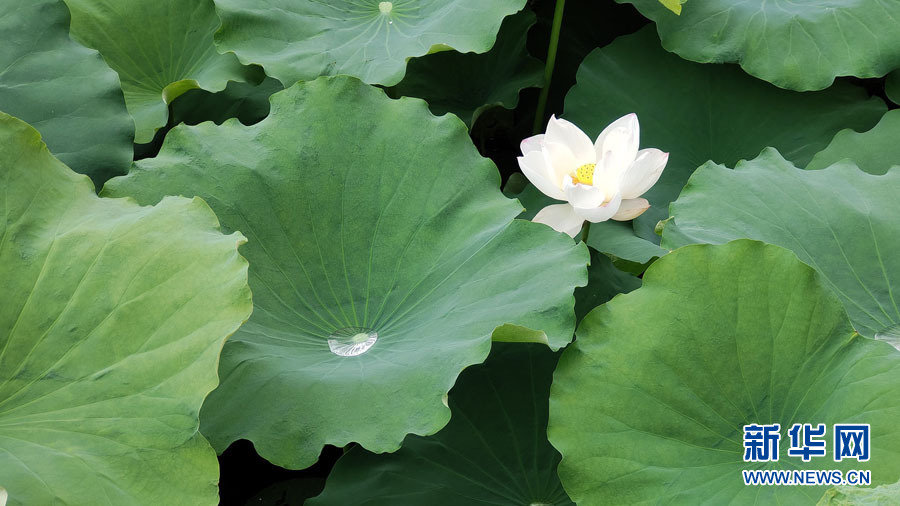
599 180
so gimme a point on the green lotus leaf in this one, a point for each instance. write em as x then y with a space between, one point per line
160 48
368 39
848 495
605 281
651 409
618 239
892 86
800 45
874 151
467 84
65 90
382 257
840 220
493 451
705 112
111 326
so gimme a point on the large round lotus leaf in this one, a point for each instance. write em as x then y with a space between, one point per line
493 452
705 112
63 89
468 84
874 151
112 321
370 39
382 257
800 45
840 220
651 409
160 48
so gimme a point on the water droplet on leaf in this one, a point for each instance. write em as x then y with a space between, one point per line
890 335
351 341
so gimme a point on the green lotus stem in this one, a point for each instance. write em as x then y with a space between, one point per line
585 231
548 67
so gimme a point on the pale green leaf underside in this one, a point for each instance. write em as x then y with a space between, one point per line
618 239
160 48
673 5
874 151
369 39
111 325
840 220
63 89
493 451
390 222
651 409
885 495
705 112
468 84
800 45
